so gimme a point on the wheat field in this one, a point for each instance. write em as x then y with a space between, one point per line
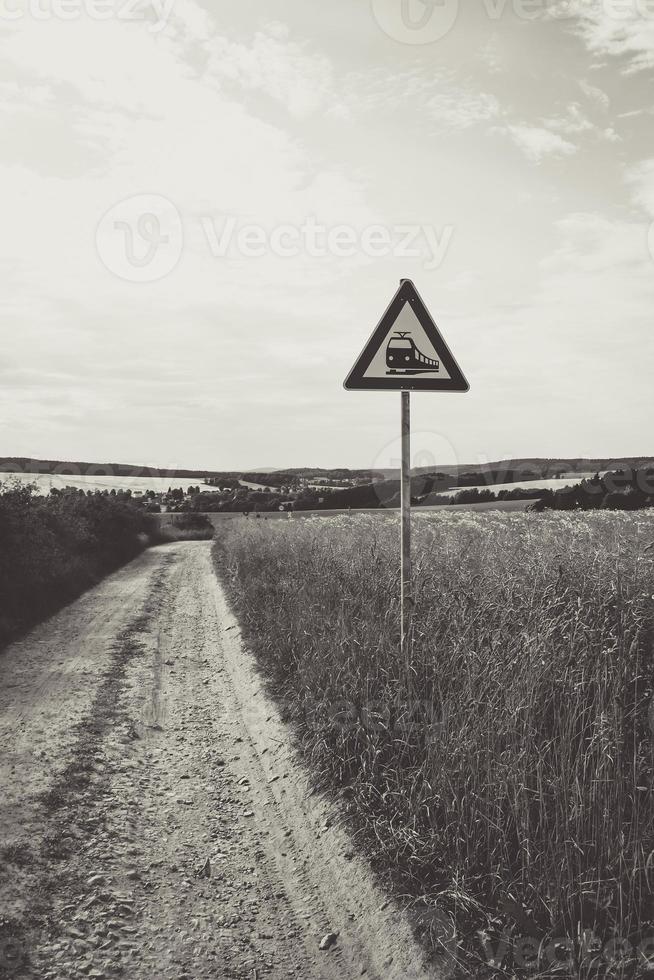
502 771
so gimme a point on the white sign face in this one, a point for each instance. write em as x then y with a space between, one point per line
406 352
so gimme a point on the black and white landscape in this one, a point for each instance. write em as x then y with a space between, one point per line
298 681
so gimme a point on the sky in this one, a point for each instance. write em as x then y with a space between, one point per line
207 207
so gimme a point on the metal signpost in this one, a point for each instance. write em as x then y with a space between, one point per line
406 353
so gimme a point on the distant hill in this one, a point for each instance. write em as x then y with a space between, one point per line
540 466
22 464
537 466
547 467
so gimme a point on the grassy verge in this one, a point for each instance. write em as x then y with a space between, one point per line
503 772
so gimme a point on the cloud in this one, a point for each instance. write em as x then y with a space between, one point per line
617 28
105 111
440 95
587 325
592 243
492 55
285 71
536 142
595 94
574 121
459 109
641 180
160 120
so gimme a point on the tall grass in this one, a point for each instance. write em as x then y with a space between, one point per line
505 768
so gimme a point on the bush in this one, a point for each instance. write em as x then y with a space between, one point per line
53 548
188 526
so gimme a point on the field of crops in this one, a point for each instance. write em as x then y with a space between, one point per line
504 769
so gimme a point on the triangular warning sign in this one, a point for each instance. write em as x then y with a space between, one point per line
406 352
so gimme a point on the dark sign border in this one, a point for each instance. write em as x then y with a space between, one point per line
407 293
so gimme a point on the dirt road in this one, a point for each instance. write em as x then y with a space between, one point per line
154 821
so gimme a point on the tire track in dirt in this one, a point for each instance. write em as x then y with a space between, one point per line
179 839
48 682
72 809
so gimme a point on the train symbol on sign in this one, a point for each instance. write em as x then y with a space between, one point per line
403 357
